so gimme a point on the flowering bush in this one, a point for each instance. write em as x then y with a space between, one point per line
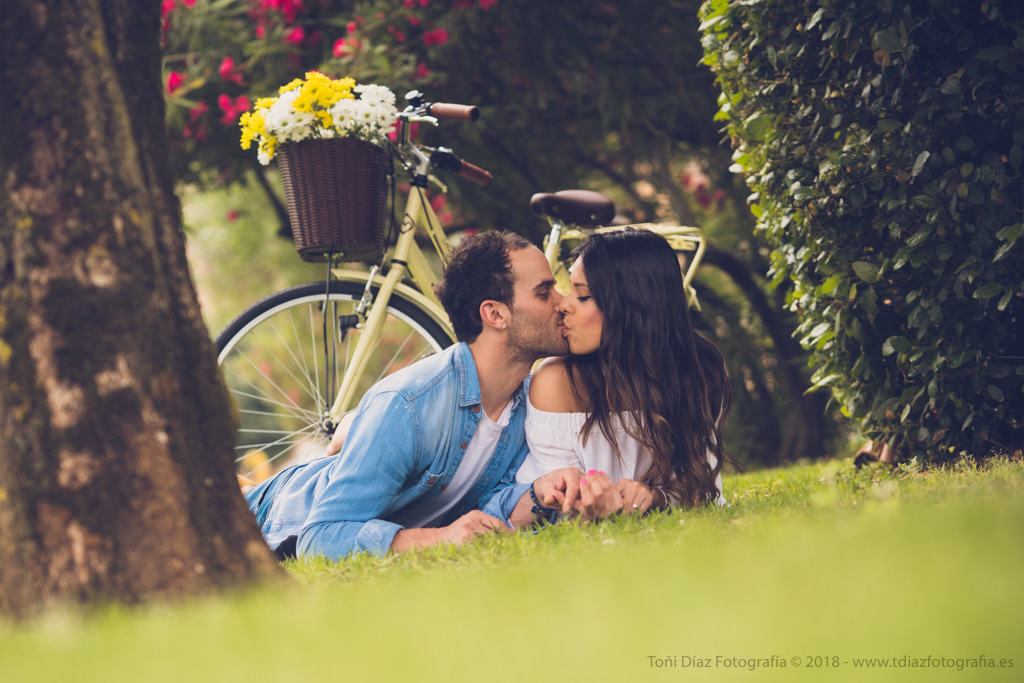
318 107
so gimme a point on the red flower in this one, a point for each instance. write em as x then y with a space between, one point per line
346 46
351 27
261 31
197 112
229 72
232 108
436 37
295 35
174 81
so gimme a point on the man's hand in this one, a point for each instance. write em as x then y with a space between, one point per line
559 489
464 529
636 497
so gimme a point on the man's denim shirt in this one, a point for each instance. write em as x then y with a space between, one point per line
409 435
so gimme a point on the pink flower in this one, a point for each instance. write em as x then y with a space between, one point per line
167 7
174 81
414 21
261 31
229 72
346 46
487 4
436 37
462 4
295 35
197 112
232 108
421 71
351 27
188 3
232 216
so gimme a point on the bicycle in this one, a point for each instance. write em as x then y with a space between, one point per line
298 361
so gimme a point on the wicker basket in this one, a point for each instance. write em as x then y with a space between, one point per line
336 191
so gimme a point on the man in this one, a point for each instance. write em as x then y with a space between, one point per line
432 453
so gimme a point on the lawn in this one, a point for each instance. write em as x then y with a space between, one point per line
810 570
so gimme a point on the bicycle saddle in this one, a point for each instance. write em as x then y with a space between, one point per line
580 207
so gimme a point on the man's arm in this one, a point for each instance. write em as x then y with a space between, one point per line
380 455
462 530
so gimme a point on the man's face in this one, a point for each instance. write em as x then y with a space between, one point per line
535 330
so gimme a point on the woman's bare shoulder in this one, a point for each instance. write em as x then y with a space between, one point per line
550 389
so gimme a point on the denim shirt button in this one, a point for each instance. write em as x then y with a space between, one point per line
476 409
444 486
431 480
464 445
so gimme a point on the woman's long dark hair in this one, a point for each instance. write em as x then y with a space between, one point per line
652 363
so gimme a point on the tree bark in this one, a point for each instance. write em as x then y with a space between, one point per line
116 480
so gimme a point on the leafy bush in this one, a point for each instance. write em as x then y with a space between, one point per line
884 142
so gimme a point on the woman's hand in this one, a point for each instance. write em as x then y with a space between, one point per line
636 497
599 497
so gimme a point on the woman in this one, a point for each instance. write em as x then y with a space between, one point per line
640 402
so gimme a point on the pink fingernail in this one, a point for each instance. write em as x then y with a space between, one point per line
583 482
591 472
604 473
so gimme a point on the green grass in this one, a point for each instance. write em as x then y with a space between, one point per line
817 560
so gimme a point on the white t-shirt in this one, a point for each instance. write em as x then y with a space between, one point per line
554 440
474 462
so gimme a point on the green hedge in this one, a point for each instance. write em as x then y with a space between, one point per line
883 142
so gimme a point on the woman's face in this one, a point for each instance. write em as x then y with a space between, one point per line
582 318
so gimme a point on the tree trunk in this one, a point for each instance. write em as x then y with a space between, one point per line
805 431
116 481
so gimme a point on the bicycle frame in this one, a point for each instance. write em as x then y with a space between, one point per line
680 238
407 257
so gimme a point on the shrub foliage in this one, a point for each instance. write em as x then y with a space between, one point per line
883 141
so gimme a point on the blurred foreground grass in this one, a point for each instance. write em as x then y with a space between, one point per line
813 561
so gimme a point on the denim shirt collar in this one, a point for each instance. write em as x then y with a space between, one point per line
469 380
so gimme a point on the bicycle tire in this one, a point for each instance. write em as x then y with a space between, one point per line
277 367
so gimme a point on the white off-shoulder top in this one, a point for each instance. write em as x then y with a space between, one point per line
554 441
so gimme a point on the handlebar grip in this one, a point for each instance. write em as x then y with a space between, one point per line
454 112
475 174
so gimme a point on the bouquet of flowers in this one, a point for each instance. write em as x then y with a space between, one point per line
318 107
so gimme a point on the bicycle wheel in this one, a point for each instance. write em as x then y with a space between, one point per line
283 366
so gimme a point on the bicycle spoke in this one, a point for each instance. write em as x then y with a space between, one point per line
280 346
395 355
290 407
304 383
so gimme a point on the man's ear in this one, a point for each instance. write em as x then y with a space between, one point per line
494 314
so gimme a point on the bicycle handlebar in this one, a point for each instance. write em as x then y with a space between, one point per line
453 112
475 174
444 159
